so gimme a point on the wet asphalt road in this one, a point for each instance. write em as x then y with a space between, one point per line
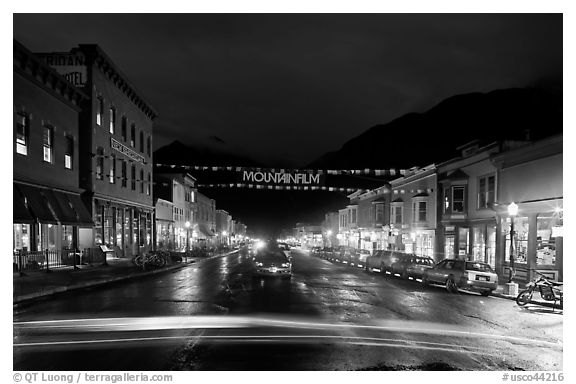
327 317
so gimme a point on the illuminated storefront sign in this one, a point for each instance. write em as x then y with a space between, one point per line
126 151
279 178
70 65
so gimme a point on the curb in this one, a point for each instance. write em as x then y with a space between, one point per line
95 283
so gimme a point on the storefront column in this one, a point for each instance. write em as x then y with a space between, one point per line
532 245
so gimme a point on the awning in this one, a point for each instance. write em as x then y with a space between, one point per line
84 217
61 208
71 210
37 204
20 213
53 207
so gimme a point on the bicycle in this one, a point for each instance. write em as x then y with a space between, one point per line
157 259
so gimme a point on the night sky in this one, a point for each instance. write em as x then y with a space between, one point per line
284 89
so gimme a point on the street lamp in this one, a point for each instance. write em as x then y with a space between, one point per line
512 212
187 225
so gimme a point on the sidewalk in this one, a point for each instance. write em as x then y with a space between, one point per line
37 284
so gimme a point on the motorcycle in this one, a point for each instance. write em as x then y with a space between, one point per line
549 291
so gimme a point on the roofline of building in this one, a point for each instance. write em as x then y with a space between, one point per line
61 84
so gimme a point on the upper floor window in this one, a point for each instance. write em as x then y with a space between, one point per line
141 181
112 120
99 110
69 154
148 145
486 191
419 211
100 163
47 143
112 174
133 185
149 184
458 199
397 214
141 142
133 135
124 174
124 124
379 213
22 129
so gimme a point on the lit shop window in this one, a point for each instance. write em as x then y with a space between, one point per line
69 155
100 163
47 143
99 110
22 129
112 120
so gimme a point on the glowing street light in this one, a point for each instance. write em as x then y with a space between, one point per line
512 211
187 225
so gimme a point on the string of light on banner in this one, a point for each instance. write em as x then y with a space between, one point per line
365 171
279 187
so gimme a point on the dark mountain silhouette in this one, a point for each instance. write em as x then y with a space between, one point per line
182 154
433 136
413 139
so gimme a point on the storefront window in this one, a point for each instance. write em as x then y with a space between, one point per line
127 217
67 237
135 223
142 219
463 241
47 236
546 242
425 244
98 224
119 221
22 237
449 246
148 228
108 225
491 246
478 244
520 239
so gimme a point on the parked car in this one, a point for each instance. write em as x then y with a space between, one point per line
359 257
326 252
272 262
412 266
460 274
383 260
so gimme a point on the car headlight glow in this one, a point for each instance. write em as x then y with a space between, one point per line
285 265
259 264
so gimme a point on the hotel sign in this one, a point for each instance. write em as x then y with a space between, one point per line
115 144
70 65
281 178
